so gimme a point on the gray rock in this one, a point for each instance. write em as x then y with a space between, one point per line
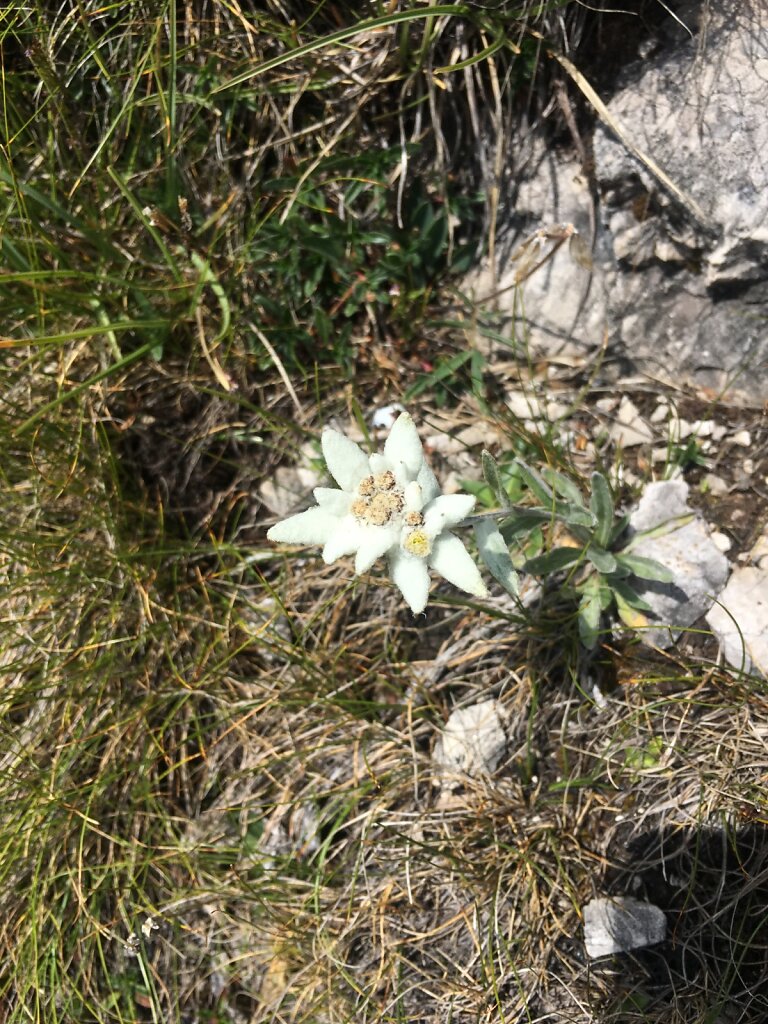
680 281
740 620
686 548
472 743
620 924
697 111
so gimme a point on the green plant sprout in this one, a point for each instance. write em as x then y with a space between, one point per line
590 545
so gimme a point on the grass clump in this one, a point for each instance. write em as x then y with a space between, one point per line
221 226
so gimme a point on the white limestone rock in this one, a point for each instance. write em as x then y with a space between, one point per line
739 620
629 428
687 549
621 924
472 743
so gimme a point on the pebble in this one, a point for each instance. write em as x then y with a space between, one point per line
742 438
630 429
606 405
621 924
714 484
523 406
384 417
721 541
473 742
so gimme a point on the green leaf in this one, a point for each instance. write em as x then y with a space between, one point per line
493 551
630 616
573 515
618 528
481 491
647 756
565 487
493 479
445 368
523 521
645 568
553 561
536 484
601 506
589 613
628 595
602 560
604 592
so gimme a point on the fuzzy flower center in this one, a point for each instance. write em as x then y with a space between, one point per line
416 542
378 500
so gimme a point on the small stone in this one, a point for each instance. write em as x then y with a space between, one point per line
601 701
606 405
739 620
472 743
748 467
478 435
523 406
630 429
743 438
557 411
660 502
621 924
288 489
704 428
452 483
714 484
660 413
384 417
443 444
721 541
681 429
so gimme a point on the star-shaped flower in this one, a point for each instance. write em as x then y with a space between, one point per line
390 505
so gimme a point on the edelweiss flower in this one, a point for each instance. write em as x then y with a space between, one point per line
389 505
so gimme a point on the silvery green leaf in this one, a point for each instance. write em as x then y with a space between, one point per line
589 613
627 595
564 486
602 560
493 479
645 568
493 551
601 506
523 521
536 484
630 615
575 515
618 528
553 561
